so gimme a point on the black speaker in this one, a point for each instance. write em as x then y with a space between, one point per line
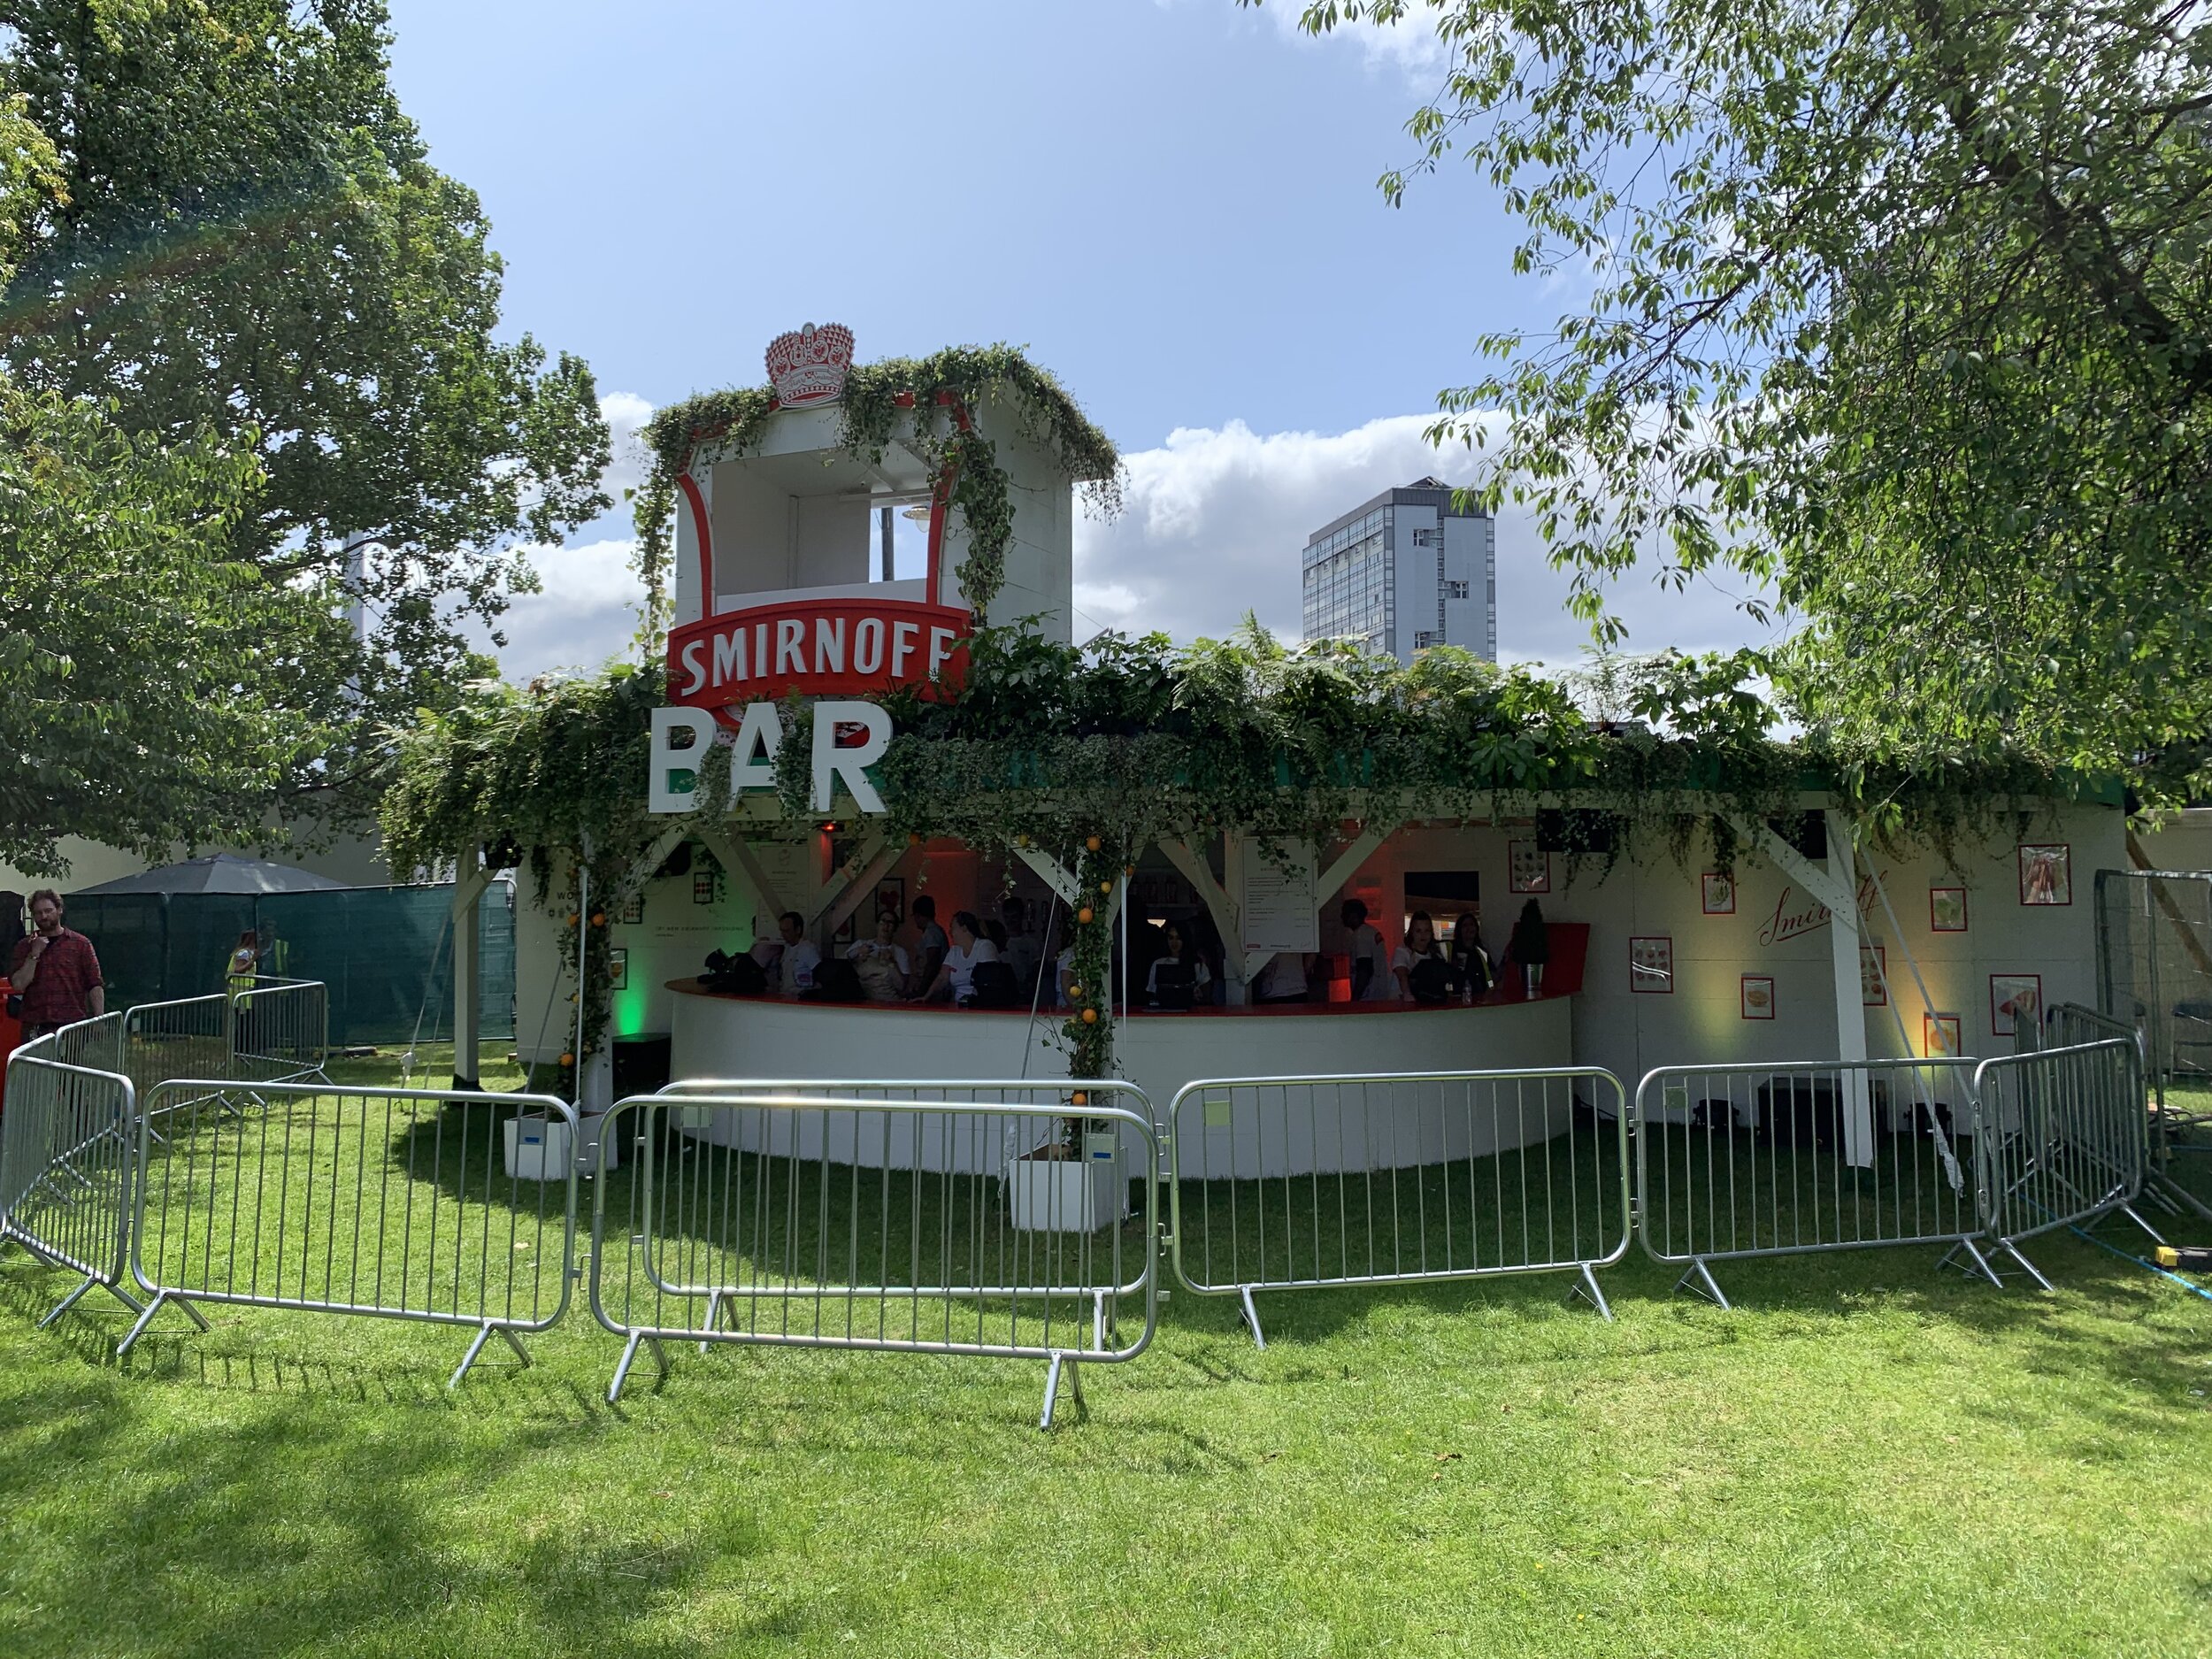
641 1063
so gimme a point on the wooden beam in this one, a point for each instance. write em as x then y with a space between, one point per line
735 852
859 886
1051 872
1347 863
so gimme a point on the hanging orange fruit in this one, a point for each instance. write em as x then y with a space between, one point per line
568 1059
1091 842
1081 1097
1105 887
1084 915
599 918
1090 1017
1075 992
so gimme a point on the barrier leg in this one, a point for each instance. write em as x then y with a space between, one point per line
161 1298
8 1235
629 1356
1973 1254
714 1312
2029 1268
1252 1318
1706 1286
1586 1288
1052 1386
68 1301
483 1335
2178 1198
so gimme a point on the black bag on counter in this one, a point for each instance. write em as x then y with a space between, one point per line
992 985
739 974
836 980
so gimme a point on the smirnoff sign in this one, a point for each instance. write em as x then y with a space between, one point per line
826 648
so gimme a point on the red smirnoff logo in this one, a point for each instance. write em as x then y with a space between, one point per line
808 365
820 647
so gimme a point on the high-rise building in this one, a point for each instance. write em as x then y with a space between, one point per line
1404 572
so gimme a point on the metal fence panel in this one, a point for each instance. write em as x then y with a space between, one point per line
67 1158
1735 1161
1018 1228
279 1031
2061 1139
1285 1183
187 1038
2155 972
400 1204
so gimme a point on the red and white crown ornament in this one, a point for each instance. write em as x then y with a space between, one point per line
808 365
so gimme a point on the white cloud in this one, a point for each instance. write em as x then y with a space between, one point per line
585 615
1408 45
1213 522
1211 527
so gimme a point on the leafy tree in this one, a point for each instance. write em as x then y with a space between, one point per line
151 684
1903 305
249 238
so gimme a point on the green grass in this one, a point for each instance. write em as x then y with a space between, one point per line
1865 1457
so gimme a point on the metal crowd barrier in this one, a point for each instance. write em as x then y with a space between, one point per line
189 1037
393 1202
1012 1227
280 1031
1293 1183
67 1158
2061 1143
1744 1161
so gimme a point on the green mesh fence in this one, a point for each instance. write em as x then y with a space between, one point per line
386 953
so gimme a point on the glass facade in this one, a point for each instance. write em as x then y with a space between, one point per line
1350 591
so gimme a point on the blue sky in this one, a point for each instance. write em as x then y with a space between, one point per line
1171 205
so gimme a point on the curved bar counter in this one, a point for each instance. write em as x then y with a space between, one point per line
720 1034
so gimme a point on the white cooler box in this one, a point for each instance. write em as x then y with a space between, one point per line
538 1149
1066 1195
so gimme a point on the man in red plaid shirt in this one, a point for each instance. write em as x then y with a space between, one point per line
55 971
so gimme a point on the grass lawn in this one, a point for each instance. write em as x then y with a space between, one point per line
1864 1457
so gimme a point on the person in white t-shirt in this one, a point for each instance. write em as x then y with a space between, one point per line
969 948
881 961
1371 981
1283 980
796 972
1420 946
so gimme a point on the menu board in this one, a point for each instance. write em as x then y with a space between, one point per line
1278 902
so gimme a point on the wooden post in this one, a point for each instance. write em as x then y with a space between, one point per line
470 878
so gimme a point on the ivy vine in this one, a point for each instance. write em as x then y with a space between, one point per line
1098 750
919 401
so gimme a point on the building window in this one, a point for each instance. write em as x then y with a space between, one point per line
1424 538
1454 590
1425 637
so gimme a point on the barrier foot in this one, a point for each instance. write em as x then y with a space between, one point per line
9 1236
67 1302
1707 1285
2176 1197
2131 1212
2029 1268
1973 1253
483 1335
629 1358
1586 1288
162 1299
1052 1387
1252 1317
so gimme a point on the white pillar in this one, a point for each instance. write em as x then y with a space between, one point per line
1843 943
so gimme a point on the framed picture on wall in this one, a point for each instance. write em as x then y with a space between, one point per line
1758 996
890 901
2047 874
1947 910
1941 1036
1719 893
619 968
2014 999
846 930
1651 965
1873 976
1528 868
